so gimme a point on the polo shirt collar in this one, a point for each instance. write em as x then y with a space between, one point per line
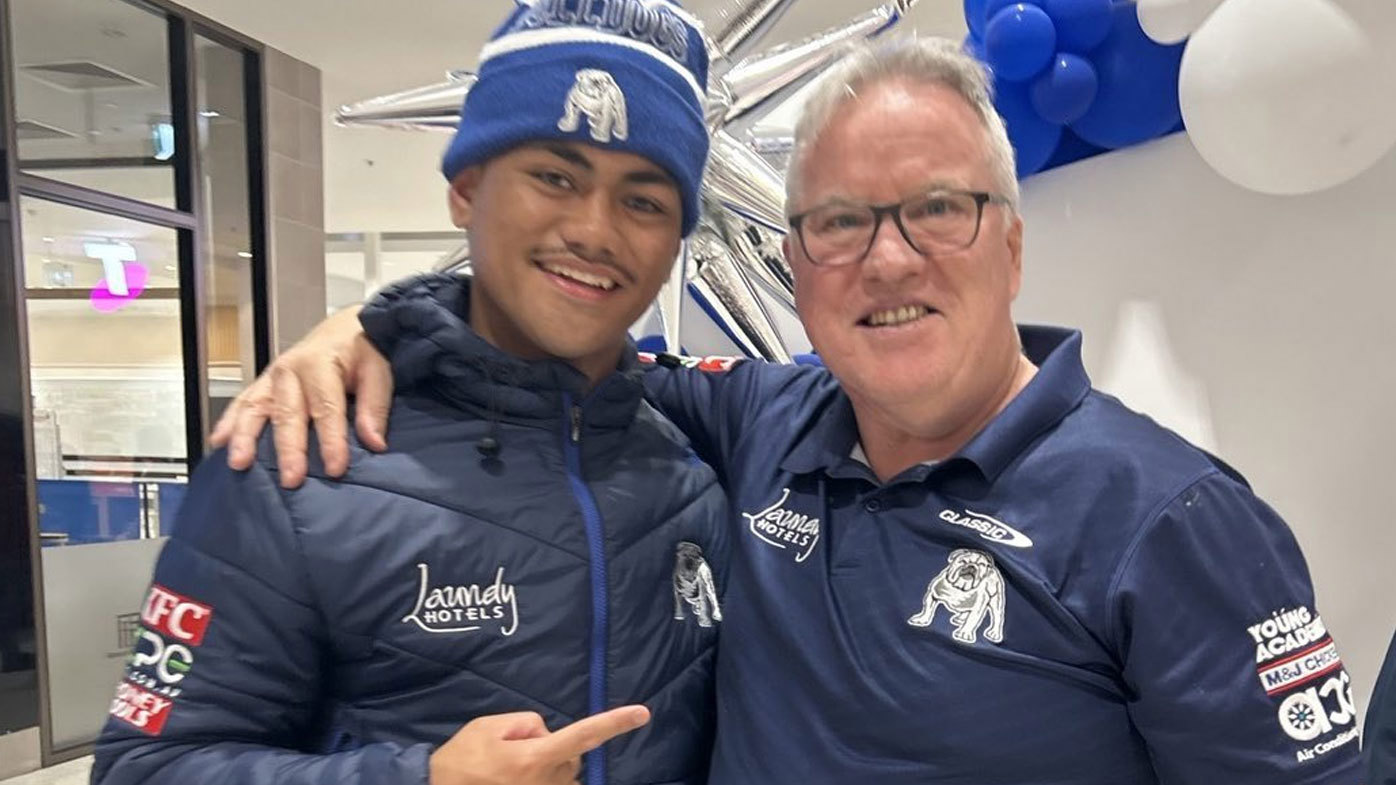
1058 387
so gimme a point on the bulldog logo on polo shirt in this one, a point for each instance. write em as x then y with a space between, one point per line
972 591
596 96
785 529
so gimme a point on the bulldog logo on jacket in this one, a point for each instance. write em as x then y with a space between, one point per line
465 608
694 586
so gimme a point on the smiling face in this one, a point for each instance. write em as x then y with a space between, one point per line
924 339
570 243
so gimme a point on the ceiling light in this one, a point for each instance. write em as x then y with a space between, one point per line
244 254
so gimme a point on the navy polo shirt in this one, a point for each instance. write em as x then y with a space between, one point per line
1380 738
1077 597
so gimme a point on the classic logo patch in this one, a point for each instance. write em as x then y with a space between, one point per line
785 529
465 607
694 586
971 590
987 527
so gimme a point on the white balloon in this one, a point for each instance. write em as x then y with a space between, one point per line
1287 96
1170 21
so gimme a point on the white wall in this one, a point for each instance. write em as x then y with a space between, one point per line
1280 311
387 181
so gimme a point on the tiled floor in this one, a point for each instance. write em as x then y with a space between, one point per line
70 773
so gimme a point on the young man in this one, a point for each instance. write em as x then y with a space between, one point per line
537 540
954 561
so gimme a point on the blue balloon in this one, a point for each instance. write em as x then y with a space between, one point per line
1066 90
992 7
1071 149
976 17
1138 95
973 47
1033 138
1082 25
1019 42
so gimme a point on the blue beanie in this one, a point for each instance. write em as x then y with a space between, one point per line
625 75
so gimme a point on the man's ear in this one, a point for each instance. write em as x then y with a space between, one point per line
1015 251
461 196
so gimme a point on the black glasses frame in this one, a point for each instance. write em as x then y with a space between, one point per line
894 210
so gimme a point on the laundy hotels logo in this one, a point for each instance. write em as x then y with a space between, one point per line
785 529
465 608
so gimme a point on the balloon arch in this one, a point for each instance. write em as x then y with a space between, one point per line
1279 96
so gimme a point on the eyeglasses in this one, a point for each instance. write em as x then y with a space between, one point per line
940 221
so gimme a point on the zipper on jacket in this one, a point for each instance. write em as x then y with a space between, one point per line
595 761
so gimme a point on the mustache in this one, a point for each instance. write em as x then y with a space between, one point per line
564 253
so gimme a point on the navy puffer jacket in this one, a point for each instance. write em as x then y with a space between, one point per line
340 632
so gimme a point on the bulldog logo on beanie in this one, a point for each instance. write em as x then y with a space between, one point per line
626 75
597 97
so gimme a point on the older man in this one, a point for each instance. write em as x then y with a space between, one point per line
955 561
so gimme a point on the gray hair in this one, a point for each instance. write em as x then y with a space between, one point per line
916 59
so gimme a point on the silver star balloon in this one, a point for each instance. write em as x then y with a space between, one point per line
732 263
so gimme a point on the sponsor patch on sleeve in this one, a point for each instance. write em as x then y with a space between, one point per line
176 616
172 627
1298 666
141 708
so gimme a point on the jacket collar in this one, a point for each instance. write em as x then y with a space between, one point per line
422 326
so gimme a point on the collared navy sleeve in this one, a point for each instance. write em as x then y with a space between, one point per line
1379 739
226 680
714 408
1233 676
